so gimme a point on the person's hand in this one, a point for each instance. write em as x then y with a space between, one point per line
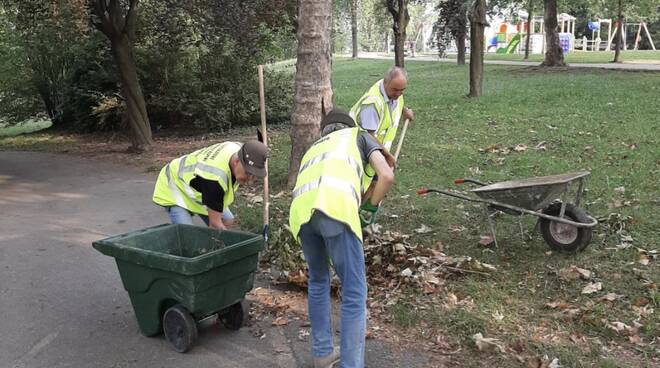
408 114
391 160
368 214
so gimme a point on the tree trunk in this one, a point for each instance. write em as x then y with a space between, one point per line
554 56
354 27
477 25
529 28
400 17
619 35
119 28
460 45
136 109
312 80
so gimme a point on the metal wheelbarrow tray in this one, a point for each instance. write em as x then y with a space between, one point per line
563 225
177 275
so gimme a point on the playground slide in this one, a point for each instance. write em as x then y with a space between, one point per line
511 46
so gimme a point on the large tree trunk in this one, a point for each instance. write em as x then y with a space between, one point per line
529 28
400 17
136 109
554 56
120 28
460 45
312 80
354 27
619 35
477 25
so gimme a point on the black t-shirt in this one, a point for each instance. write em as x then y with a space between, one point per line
367 144
212 193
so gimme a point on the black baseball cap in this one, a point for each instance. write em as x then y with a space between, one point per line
253 155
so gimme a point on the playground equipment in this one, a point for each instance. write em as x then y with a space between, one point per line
598 44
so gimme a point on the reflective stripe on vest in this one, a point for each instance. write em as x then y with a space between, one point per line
330 181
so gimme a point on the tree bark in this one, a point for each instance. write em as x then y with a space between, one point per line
529 28
400 17
619 34
312 80
460 45
477 25
119 29
554 56
354 27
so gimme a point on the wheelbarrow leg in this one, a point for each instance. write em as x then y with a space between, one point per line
491 223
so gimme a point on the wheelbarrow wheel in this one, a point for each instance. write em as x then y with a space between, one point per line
564 237
179 328
235 316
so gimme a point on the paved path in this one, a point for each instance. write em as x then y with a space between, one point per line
620 66
62 303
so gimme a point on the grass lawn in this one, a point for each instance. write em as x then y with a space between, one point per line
561 121
587 56
24 127
602 121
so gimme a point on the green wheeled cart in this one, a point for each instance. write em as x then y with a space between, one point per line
177 275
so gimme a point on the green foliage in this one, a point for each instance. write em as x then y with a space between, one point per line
451 24
196 61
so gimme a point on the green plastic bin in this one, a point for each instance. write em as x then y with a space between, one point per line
176 275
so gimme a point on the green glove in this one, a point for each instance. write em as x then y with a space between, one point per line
368 214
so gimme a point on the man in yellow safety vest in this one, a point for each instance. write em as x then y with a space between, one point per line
379 112
380 109
325 218
204 182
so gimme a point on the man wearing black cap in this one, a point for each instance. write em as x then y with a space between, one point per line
204 182
324 218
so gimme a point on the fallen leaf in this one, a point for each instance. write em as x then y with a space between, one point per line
592 287
641 301
486 240
280 321
620 190
423 229
541 146
520 147
574 273
407 272
610 297
487 343
643 260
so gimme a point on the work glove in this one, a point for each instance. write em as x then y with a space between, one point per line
368 214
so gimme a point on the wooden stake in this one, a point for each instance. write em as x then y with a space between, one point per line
262 106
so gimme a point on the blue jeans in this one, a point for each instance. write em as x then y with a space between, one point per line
322 237
180 215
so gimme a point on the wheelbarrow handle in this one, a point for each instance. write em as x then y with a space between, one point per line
469 180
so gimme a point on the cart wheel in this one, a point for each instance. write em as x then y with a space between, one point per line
235 316
564 237
180 328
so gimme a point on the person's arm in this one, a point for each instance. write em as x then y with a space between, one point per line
369 119
385 177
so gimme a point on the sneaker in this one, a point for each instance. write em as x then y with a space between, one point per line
327 361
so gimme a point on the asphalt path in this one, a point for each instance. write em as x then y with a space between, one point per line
62 303
638 65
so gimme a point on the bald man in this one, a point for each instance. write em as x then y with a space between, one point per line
380 109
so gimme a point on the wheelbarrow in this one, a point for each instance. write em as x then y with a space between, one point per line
178 275
564 225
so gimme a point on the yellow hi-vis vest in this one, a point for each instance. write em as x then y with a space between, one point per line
211 163
329 181
388 121
387 125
